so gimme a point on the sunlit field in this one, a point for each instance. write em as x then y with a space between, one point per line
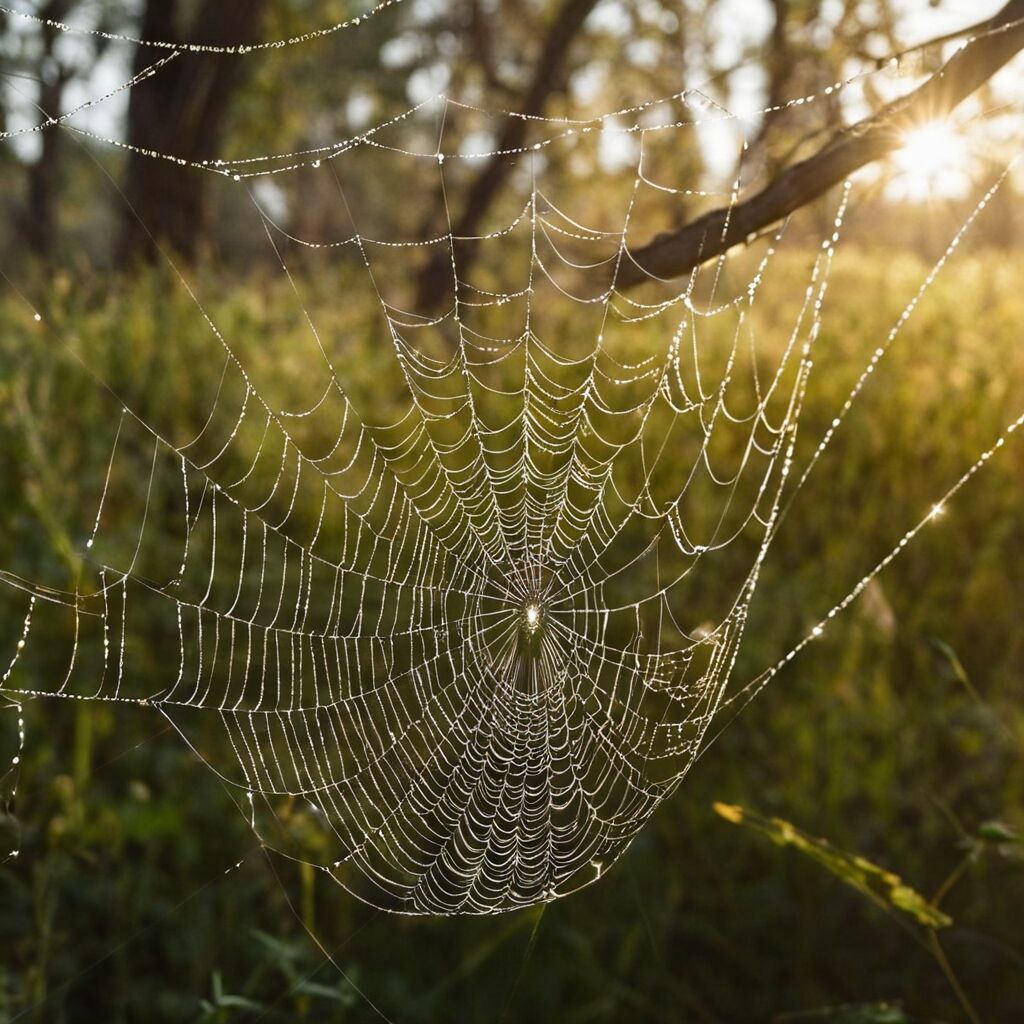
895 735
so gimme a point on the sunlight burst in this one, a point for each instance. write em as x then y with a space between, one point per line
934 161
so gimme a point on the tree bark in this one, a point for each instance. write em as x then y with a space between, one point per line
39 219
677 253
182 110
435 283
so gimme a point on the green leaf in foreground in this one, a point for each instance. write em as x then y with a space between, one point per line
998 833
851 1013
884 888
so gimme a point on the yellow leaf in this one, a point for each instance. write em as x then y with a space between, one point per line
731 812
884 888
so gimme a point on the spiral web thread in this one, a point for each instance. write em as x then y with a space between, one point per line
469 636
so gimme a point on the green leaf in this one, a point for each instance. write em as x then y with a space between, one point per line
342 993
997 832
238 1003
850 1013
278 949
882 887
223 1000
950 660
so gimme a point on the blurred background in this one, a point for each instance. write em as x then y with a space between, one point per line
138 892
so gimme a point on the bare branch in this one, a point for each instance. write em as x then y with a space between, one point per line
434 284
676 253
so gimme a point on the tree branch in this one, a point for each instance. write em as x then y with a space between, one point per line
434 285
676 253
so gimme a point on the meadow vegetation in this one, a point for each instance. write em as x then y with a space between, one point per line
897 735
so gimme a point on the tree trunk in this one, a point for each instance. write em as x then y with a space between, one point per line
40 214
435 284
182 110
39 219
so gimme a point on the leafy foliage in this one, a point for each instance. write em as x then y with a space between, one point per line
882 887
871 739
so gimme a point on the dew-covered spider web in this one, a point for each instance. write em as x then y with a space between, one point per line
475 597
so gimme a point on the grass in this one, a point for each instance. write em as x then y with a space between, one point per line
896 735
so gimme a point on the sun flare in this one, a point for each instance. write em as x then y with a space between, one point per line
934 161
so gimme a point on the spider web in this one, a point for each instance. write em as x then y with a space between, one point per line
476 603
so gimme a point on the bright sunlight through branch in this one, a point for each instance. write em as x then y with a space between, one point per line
934 162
